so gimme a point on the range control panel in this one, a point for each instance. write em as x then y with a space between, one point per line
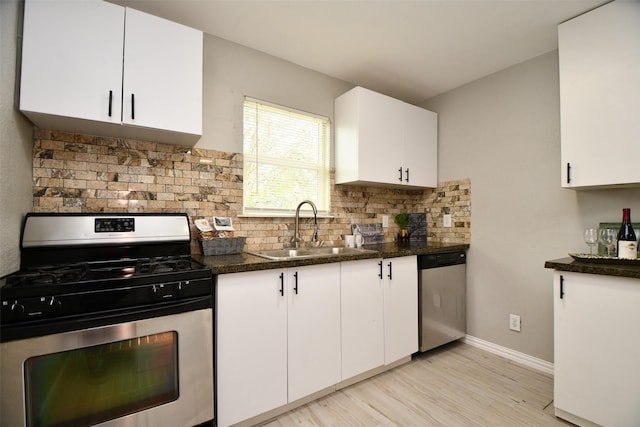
117 225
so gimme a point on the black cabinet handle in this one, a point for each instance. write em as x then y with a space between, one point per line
380 265
281 284
295 287
133 107
407 173
110 101
561 286
390 272
400 170
568 173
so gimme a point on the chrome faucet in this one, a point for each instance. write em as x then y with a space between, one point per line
296 239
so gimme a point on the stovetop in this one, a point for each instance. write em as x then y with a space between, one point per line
73 273
58 291
86 264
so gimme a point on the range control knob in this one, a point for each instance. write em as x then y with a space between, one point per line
182 286
55 305
17 310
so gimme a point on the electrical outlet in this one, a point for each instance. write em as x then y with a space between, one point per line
514 322
446 220
385 221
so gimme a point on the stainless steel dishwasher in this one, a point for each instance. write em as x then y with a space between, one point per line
442 298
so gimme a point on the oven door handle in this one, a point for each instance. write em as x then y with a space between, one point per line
48 326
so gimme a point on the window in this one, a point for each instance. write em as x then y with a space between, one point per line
286 159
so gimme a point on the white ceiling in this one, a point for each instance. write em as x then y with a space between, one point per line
411 50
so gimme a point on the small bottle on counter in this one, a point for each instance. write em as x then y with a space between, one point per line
627 241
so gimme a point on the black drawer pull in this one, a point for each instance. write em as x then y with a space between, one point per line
281 284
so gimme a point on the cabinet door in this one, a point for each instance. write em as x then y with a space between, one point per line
380 138
314 329
599 60
400 308
596 352
420 152
368 138
162 74
362 316
251 346
72 59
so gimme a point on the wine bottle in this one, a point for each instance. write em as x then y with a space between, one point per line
627 242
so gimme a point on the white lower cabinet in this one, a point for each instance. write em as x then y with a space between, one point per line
362 316
314 329
278 338
251 345
400 307
284 334
379 300
596 350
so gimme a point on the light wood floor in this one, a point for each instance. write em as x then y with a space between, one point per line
458 385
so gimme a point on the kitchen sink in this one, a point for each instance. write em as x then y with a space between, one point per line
288 254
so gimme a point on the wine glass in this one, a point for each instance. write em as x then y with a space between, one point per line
591 238
608 237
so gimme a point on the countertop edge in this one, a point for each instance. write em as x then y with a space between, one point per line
239 263
571 265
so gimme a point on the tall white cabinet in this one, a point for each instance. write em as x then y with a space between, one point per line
383 141
96 67
599 57
596 351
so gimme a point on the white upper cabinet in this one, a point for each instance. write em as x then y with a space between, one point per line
599 54
72 60
383 141
163 72
93 66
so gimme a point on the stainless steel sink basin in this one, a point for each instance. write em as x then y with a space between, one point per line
288 254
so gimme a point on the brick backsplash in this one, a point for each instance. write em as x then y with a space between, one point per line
83 173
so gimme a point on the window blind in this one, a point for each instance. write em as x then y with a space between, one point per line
286 159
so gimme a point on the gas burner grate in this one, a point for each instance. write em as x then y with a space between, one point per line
163 265
50 275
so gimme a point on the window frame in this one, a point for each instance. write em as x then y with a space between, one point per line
323 167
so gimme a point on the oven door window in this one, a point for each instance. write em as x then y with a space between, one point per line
95 384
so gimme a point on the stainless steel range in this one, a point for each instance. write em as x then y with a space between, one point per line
109 321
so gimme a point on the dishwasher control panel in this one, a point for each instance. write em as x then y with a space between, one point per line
441 260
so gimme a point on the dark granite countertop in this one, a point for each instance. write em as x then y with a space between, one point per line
222 264
569 264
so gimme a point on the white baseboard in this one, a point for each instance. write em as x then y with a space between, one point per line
507 353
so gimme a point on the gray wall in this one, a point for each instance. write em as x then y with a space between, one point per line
233 71
503 132
16 142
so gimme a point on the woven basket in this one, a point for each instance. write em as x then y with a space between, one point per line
222 245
